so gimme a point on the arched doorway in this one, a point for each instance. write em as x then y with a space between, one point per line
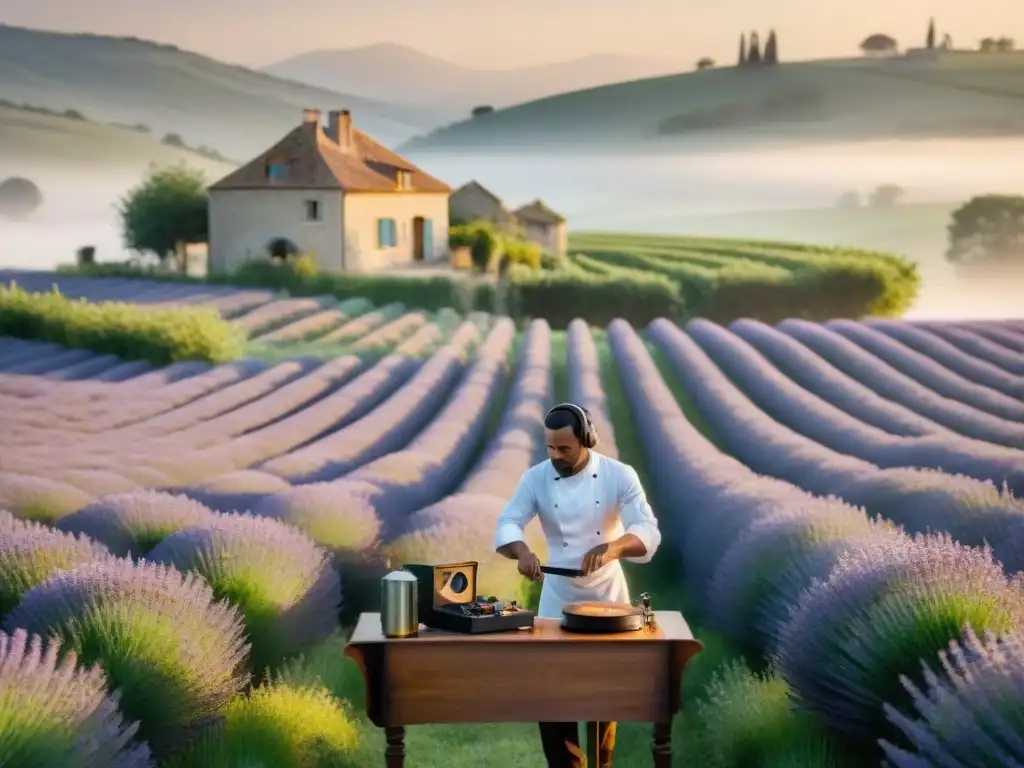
282 249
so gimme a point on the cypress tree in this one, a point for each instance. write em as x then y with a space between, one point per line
754 52
742 61
930 40
771 50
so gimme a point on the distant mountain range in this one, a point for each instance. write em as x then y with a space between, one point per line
234 110
401 75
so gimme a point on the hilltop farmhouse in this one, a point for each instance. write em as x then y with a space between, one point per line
334 193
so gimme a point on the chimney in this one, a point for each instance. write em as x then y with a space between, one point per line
339 128
311 115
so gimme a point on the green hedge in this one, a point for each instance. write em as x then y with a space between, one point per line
130 331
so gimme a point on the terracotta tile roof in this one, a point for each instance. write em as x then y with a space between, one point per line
316 161
538 212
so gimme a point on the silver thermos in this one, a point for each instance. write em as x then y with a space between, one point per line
399 616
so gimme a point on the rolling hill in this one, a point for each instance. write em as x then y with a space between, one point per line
952 94
31 139
403 75
234 110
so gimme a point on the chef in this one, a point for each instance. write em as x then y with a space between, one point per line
594 513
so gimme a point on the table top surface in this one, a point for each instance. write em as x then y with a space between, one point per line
669 626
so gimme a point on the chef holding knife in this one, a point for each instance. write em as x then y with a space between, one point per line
594 513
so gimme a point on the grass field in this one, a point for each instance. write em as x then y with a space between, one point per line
954 95
774 455
234 110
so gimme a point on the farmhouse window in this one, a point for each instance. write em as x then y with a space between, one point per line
387 233
312 210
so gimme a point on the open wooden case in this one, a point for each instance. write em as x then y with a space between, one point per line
448 599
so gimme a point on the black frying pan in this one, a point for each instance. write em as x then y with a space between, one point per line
601 617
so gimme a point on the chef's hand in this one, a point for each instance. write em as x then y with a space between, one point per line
597 558
529 566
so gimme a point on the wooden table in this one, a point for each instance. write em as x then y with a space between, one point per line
535 675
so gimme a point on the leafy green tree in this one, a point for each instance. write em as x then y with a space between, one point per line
930 40
987 228
19 197
165 212
754 52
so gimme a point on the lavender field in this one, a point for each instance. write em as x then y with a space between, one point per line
841 505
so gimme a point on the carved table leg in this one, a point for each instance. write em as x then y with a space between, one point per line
662 745
394 753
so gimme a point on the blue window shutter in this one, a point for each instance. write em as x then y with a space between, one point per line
428 237
381 232
392 233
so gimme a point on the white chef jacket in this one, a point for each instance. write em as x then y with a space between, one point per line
599 504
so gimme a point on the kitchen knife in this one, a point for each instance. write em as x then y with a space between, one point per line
572 573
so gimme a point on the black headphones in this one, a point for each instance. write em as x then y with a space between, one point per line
589 437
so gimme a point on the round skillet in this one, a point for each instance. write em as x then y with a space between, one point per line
598 617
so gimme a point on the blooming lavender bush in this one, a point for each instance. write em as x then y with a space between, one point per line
285 586
971 712
883 609
135 522
176 654
30 553
58 715
278 726
38 498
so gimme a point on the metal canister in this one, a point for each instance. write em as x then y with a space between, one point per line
399 616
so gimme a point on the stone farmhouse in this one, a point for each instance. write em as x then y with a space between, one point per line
535 221
334 193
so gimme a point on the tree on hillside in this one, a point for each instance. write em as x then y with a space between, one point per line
886 195
742 60
879 45
754 51
930 39
484 109
165 212
705 63
987 228
19 197
771 49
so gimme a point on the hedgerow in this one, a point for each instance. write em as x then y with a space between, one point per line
159 336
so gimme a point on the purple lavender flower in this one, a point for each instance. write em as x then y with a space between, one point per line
30 553
971 711
883 608
285 585
55 713
176 654
135 522
39 498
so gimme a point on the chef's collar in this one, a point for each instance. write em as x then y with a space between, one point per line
590 466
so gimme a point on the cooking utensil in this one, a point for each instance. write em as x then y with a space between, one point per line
601 617
399 614
572 573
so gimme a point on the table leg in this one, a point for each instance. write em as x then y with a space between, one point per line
663 745
394 753
593 745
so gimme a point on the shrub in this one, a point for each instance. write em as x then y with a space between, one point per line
58 715
30 553
305 266
882 610
135 522
19 197
130 331
522 252
746 720
278 726
168 209
971 712
174 652
284 585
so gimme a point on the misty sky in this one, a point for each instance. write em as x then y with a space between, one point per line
495 34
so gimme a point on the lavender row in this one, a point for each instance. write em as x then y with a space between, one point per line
318 323
971 367
819 419
431 465
366 323
983 345
830 595
930 373
972 511
391 425
461 526
894 385
585 386
275 314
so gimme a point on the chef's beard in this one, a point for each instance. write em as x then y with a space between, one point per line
562 467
